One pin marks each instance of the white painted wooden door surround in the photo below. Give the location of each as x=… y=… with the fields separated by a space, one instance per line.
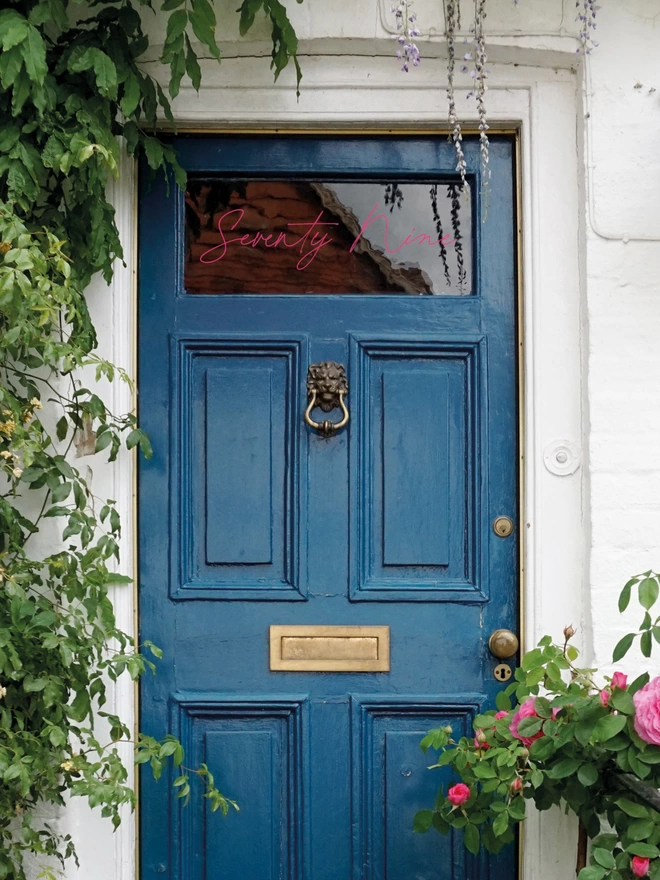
x=370 y=92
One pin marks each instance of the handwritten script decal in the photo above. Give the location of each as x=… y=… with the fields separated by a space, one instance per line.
x=314 y=235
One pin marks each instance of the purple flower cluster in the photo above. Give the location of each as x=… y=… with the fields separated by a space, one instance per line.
x=587 y=10
x=408 y=51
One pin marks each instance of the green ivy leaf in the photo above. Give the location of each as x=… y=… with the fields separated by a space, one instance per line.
x=34 y=55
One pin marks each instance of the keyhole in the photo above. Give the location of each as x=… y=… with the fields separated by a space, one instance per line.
x=502 y=672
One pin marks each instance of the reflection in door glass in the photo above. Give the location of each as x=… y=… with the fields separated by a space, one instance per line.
x=290 y=236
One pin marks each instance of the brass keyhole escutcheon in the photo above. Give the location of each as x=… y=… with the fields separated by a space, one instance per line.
x=502 y=672
x=503 y=526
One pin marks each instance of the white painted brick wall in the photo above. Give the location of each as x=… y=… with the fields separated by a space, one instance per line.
x=623 y=310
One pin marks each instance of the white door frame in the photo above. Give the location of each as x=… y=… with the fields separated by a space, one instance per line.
x=370 y=93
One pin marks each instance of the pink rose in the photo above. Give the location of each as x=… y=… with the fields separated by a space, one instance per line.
x=604 y=697
x=640 y=866
x=458 y=794
x=647 y=713
x=499 y=715
x=525 y=710
x=619 y=680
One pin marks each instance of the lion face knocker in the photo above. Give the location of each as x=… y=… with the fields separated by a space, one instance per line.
x=327 y=387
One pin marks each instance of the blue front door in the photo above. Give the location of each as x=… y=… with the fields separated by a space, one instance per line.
x=257 y=530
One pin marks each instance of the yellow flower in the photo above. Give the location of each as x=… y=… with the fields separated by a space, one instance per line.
x=8 y=427
x=67 y=765
x=36 y=403
x=17 y=472
x=5 y=453
x=3 y=692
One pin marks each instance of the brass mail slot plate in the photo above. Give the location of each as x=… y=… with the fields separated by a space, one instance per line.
x=330 y=648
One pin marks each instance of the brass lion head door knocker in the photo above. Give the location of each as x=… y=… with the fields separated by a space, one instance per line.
x=327 y=387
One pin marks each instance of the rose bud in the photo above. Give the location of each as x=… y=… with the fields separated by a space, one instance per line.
x=458 y=794
x=619 y=680
x=502 y=714
x=640 y=866
x=604 y=697
x=569 y=631
x=524 y=753
x=516 y=785
x=448 y=730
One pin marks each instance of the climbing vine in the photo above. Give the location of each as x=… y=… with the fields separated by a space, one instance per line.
x=72 y=95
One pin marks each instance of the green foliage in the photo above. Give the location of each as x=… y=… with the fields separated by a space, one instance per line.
x=72 y=94
x=574 y=743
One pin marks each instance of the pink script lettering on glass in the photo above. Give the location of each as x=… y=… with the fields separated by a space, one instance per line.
x=421 y=238
x=311 y=242
x=314 y=244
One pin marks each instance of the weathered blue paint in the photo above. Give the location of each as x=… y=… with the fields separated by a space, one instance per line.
x=247 y=519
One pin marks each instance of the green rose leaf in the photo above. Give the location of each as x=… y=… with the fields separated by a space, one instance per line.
x=604 y=857
x=542 y=749
x=588 y=775
x=563 y=768
x=646 y=850
x=471 y=839
x=641 y=829
x=648 y=592
x=622 y=702
x=530 y=726
x=622 y=647
x=422 y=822
x=608 y=727
x=631 y=808
x=592 y=872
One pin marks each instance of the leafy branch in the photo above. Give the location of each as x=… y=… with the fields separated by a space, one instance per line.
x=72 y=95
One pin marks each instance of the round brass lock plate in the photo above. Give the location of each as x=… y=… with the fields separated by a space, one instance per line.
x=503 y=526
x=502 y=672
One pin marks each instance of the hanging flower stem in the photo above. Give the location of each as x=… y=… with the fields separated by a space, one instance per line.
x=450 y=8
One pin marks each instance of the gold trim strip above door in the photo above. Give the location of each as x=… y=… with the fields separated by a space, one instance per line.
x=329 y=648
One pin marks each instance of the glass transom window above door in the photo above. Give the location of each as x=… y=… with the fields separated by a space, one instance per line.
x=318 y=557
x=293 y=236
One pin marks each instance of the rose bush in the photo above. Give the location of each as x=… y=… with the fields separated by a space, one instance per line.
x=560 y=737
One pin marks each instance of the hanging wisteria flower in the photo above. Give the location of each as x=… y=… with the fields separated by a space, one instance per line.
x=407 y=29
x=587 y=10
